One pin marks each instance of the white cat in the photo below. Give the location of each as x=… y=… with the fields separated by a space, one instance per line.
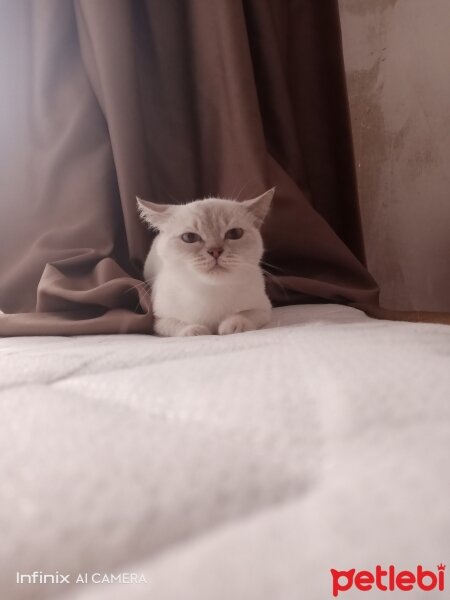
x=203 y=266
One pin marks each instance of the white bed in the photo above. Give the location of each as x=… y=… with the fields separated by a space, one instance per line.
x=225 y=468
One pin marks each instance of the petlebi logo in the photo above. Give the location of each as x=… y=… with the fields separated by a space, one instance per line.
x=388 y=580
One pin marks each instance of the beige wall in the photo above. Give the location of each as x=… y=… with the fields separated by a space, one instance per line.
x=397 y=55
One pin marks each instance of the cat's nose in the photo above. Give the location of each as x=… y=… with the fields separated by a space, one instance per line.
x=216 y=252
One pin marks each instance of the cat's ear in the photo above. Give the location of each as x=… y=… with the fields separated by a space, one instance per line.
x=260 y=206
x=154 y=214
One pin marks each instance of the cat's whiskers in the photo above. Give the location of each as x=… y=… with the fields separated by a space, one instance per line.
x=267 y=273
x=264 y=262
x=142 y=285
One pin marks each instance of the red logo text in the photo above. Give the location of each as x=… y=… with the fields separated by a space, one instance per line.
x=388 y=580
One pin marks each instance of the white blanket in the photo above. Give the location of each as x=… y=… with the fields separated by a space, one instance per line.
x=225 y=468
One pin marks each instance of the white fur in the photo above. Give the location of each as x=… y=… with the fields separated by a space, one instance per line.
x=194 y=293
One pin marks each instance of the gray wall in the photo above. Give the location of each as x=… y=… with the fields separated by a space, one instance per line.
x=397 y=55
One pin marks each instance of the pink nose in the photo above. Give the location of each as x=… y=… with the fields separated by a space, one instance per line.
x=216 y=252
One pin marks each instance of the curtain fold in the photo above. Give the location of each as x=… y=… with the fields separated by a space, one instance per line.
x=103 y=100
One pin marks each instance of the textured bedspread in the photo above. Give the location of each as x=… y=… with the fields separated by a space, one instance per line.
x=234 y=468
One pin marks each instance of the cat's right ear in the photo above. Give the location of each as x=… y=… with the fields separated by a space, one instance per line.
x=155 y=215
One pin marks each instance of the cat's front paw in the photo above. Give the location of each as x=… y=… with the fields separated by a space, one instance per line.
x=194 y=330
x=235 y=324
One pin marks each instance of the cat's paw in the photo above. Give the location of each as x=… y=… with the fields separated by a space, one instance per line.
x=235 y=324
x=190 y=330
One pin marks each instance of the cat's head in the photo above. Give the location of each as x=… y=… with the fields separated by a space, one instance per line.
x=212 y=238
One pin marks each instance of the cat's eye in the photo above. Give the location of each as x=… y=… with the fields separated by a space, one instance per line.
x=234 y=234
x=190 y=237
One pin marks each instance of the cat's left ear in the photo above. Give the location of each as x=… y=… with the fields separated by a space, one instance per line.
x=260 y=206
x=154 y=214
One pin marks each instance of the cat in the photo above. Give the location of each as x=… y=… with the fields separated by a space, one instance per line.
x=203 y=266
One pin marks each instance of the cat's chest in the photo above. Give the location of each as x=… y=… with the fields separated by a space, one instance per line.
x=207 y=305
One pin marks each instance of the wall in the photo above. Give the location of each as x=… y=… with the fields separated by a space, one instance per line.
x=397 y=55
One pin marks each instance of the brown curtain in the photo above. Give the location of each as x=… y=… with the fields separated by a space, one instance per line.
x=171 y=100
